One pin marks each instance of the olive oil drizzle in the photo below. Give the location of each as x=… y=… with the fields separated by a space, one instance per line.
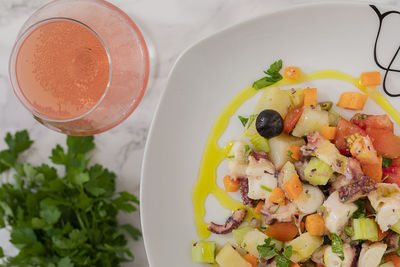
x=213 y=154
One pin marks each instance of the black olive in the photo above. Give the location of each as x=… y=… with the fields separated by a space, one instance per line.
x=269 y=123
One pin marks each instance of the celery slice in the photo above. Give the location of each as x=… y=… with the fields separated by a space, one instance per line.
x=365 y=229
x=260 y=143
x=318 y=172
x=203 y=251
x=239 y=233
x=396 y=227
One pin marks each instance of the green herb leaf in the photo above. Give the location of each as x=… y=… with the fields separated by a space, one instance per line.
x=361 y=211
x=265 y=188
x=1 y=252
x=386 y=162
x=51 y=214
x=273 y=76
x=337 y=245
x=65 y=262
x=23 y=236
x=269 y=249
x=276 y=210
x=252 y=118
x=348 y=231
x=243 y=120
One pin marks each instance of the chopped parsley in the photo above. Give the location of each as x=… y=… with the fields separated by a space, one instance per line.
x=361 y=211
x=243 y=120
x=362 y=116
x=252 y=118
x=277 y=208
x=231 y=157
x=269 y=249
x=386 y=162
x=289 y=153
x=266 y=188
x=273 y=76
x=398 y=248
x=246 y=149
x=348 y=231
x=337 y=245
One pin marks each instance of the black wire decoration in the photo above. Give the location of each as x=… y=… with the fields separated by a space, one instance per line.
x=387 y=69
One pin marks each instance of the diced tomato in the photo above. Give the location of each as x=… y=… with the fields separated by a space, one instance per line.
x=345 y=129
x=386 y=143
x=291 y=119
x=396 y=162
x=391 y=175
x=364 y=121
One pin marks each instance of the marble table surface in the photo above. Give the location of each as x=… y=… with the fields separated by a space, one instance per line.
x=171 y=26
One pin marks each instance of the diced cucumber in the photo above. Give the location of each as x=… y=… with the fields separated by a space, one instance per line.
x=296 y=96
x=311 y=120
x=239 y=233
x=260 y=143
x=318 y=172
x=203 y=251
x=365 y=229
x=288 y=171
x=387 y=264
x=396 y=227
x=304 y=246
x=229 y=257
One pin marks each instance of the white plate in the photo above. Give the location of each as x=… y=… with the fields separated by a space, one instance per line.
x=209 y=74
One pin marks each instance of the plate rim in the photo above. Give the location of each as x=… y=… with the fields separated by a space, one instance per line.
x=192 y=46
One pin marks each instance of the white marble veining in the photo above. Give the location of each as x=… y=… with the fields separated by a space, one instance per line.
x=171 y=25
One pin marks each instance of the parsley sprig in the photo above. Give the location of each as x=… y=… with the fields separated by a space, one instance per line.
x=268 y=249
x=63 y=221
x=337 y=245
x=273 y=76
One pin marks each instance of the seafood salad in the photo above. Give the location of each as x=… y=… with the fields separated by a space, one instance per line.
x=317 y=189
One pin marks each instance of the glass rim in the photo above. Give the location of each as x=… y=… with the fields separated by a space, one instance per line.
x=13 y=74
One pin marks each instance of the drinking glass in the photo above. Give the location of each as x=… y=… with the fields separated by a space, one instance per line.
x=80 y=67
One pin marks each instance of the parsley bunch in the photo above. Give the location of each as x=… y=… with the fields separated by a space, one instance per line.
x=63 y=221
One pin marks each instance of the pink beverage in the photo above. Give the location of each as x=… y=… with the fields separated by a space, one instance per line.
x=80 y=66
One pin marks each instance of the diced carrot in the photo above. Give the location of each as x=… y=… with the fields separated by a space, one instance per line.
x=293 y=187
x=328 y=132
x=374 y=171
x=291 y=72
x=393 y=258
x=282 y=231
x=371 y=78
x=259 y=207
x=294 y=152
x=315 y=225
x=319 y=265
x=352 y=100
x=277 y=196
x=310 y=97
x=381 y=235
x=251 y=259
x=295 y=264
x=230 y=185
